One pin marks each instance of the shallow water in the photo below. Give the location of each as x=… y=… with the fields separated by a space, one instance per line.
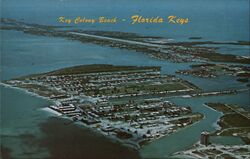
x=20 y=118
x=30 y=132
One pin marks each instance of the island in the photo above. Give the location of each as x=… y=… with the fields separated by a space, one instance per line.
x=155 y=47
x=125 y=103
x=212 y=70
x=234 y=122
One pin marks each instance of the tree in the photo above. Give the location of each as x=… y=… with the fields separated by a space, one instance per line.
x=127 y=117
x=148 y=132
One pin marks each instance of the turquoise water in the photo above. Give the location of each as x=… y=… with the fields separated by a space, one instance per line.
x=226 y=140
x=45 y=54
x=186 y=137
x=20 y=117
x=28 y=131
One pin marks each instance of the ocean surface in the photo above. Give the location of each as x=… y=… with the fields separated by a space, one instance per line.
x=28 y=131
x=223 y=20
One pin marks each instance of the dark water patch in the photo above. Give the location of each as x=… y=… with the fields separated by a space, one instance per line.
x=74 y=142
x=5 y=152
x=26 y=146
x=28 y=139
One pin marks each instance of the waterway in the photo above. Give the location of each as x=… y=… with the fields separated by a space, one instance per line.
x=186 y=137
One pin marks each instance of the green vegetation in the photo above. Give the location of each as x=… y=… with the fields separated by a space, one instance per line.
x=156 y=87
x=136 y=88
x=231 y=131
x=118 y=34
x=195 y=38
x=97 y=69
x=220 y=107
x=184 y=51
x=216 y=57
x=244 y=80
x=209 y=70
x=213 y=43
x=123 y=135
x=94 y=68
x=234 y=120
x=244 y=75
x=244 y=42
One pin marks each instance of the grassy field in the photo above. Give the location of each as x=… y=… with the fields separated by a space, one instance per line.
x=220 y=107
x=94 y=68
x=97 y=69
x=136 y=88
x=233 y=122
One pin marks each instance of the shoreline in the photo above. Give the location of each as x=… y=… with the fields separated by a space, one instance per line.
x=136 y=144
x=57 y=114
x=215 y=124
x=26 y=91
x=219 y=132
x=184 y=52
x=51 y=111
x=188 y=126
